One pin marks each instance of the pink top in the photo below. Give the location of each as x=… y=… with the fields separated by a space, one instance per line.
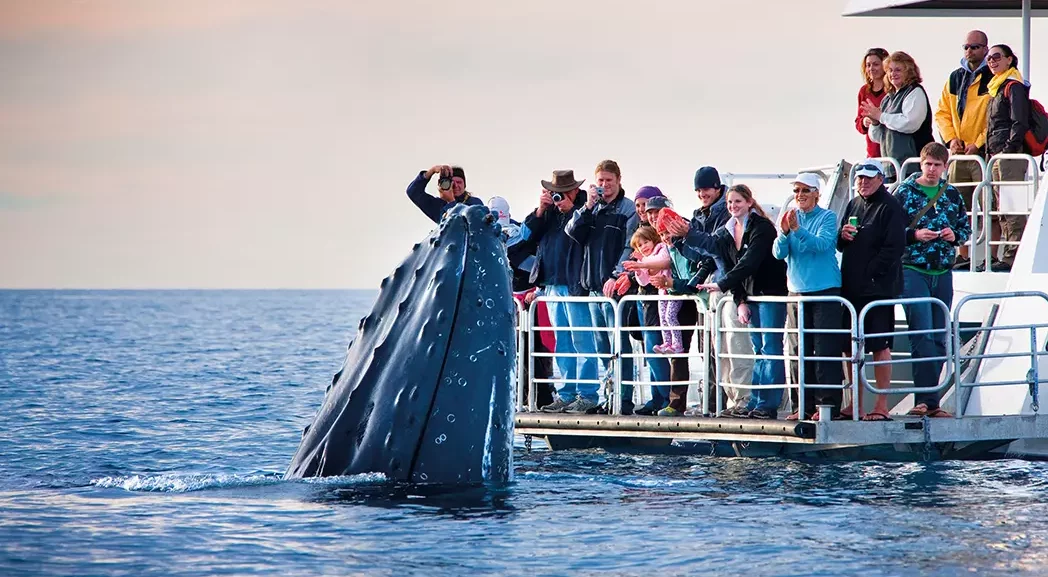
x=659 y=256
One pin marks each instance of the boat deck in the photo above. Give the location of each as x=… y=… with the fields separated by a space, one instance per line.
x=905 y=438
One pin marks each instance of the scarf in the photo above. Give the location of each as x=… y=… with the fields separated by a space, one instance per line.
x=998 y=80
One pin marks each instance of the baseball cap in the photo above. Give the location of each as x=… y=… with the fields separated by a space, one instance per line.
x=809 y=179
x=500 y=208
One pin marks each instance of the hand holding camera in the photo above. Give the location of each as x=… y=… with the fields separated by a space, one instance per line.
x=593 y=195
x=545 y=201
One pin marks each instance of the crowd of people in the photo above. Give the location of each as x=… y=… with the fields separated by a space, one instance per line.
x=594 y=241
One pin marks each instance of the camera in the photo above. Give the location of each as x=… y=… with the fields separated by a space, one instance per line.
x=444 y=183
x=556 y=196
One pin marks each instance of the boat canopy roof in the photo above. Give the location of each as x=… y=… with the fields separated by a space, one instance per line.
x=943 y=8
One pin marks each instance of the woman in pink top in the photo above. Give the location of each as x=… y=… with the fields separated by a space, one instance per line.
x=872 y=91
x=653 y=259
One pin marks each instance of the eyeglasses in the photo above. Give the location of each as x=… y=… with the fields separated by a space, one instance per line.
x=995 y=57
x=973 y=46
x=801 y=191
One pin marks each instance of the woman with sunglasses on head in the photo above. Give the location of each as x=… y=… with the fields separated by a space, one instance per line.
x=1007 y=120
x=902 y=124
x=871 y=91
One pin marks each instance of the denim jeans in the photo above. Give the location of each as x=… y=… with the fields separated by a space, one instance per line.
x=767 y=371
x=925 y=316
x=658 y=367
x=603 y=315
x=573 y=315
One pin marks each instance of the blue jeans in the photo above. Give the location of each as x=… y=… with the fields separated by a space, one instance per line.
x=658 y=367
x=603 y=315
x=573 y=315
x=767 y=371
x=925 y=316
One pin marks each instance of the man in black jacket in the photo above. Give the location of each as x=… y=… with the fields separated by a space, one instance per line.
x=452 y=187
x=558 y=262
x=871 y=242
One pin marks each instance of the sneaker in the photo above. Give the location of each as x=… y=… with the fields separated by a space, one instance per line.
x=669 y=412
x=763 y=414
x=627 y=408
x=558 y=405
x=695 y=412
x=581 y=405
x=962 y=264
x=736 y=413
x=647 y=410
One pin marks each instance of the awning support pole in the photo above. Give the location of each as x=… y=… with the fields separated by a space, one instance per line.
x=1026 y=40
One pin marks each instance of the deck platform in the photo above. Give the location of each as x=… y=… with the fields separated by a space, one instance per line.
x=903 y=439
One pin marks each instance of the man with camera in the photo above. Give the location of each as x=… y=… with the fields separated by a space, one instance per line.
x=604 y=227
x=452 y=185
x=558 y=262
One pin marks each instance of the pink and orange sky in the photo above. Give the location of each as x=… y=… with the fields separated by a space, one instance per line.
x=146 y=143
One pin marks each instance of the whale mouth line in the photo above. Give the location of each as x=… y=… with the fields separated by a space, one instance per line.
x=447 y=349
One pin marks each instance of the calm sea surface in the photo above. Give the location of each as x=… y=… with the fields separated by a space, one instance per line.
x=145 y=433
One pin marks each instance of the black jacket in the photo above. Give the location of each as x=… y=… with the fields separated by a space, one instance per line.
x=1008 y=119
x=871 y=264
x=750 y=270
x=604 y=233
x=558 y=258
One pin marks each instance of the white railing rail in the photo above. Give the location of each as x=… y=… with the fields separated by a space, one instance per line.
x=1034 y=352
x=946 y=331
x=700 y=325
x=801 y=358
x=533 y=329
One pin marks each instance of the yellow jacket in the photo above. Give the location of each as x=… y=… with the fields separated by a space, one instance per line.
x=971 y=128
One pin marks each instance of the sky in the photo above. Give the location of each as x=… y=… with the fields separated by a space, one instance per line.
x=268 y=143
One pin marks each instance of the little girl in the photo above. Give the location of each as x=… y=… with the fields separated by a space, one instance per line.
x=652 y=259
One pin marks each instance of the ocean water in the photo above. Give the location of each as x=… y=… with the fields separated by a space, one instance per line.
x=145 y=433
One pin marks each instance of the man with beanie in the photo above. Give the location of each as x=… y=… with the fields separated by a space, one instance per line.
x=452 y=187
x=711 y=215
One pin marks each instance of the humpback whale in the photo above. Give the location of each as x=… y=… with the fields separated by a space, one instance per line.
x=425 y=394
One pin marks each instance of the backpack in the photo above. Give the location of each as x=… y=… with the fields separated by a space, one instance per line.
x=1036 y=141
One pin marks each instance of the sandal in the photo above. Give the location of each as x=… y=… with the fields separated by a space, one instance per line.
x=938 y=414
x=876 y=416
x=919 y=410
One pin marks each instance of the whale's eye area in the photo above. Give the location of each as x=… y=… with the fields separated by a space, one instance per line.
x=489 y=218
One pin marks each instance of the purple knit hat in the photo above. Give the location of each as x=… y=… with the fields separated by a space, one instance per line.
x=646 y=192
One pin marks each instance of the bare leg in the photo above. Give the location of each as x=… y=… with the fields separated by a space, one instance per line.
x=883 y=377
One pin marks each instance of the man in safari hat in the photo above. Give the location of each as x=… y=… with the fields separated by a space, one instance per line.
x=558 y=271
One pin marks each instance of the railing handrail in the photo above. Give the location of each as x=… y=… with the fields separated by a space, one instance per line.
x=800 y=331
x=945 y=330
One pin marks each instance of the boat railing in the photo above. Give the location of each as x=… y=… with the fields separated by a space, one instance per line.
x=701 y=326
x=1015 y=350
x=980 y=198
x=946 y=331
x=532 y=329
x=723 y=332
x=1027 y=186
x=710 y=328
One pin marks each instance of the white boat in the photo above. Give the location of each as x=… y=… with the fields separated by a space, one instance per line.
x=996 y=364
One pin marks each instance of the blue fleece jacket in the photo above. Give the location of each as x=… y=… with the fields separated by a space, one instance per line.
x=810 y=252
x=432 y=206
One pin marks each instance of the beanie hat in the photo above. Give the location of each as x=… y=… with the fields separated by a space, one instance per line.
x=648 y=192
x=707 y=177
x=457 y=171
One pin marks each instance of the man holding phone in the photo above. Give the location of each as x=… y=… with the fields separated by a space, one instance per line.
x=938 y=224
x=871 y=241
x=452 y=186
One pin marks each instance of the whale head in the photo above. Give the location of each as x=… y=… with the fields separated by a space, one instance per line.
x=426 y=391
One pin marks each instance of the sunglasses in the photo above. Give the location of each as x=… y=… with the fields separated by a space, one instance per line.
x=973 y=46
x=868 y=167
x=995 y=57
